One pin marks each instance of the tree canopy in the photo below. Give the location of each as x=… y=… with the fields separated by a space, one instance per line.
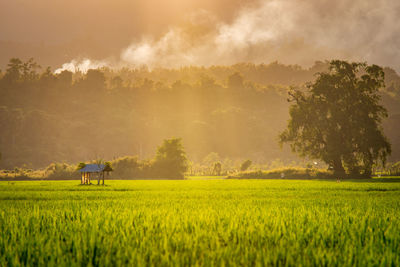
x=338 y=118
x=170 y=160
x=245 y=165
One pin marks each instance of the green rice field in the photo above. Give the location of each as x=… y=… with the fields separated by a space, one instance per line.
x=200 y=222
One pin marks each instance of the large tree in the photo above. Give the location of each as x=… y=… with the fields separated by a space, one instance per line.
x=337 y=118
x=170 y=160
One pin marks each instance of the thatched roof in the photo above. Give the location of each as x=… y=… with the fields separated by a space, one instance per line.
x=93 y=168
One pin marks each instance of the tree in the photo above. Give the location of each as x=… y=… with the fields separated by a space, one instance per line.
x=170 y=160
x=65 y=78
x=236 y=80
x=337 y=119
x=17 y=70
x=245 y=165
x=14 y=70
x=80 y=166
x=217 y=168
x=108 y=167
x=210 y=161
x=100 y=175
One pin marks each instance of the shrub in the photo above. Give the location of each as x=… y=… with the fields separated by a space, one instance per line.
x=61 y=171
x=286 y=173
x=127 y=167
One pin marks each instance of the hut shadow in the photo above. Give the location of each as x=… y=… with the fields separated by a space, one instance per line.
x=94 y=184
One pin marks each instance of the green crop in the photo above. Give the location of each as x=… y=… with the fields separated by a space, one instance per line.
x=211 y=223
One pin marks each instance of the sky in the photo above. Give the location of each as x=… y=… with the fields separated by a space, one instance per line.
x=82 y=34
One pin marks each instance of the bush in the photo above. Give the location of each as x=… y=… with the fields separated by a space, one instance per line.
x=286 y=173
x=127 y=167
x=61 y=171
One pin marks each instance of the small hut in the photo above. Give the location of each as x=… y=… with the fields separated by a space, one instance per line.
x=91 y=170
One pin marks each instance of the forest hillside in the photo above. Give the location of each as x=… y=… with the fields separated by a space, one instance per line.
x=235 y=111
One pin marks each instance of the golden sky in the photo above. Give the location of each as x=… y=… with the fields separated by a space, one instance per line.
x=62 y=20
x=173 y=33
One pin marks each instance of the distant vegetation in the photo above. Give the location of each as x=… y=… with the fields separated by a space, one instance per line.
x=286 y=173
x=234 y=111
x=170 y=163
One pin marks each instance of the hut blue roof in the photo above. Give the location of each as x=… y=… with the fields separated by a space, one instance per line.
x=93 y=168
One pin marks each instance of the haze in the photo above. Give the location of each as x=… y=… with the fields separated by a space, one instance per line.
x=178 y=33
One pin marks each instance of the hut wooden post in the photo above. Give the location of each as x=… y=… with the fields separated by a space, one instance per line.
x=90 y=171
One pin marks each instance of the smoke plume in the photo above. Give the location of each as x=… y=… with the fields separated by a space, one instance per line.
x=288 y=31
x=82 y=65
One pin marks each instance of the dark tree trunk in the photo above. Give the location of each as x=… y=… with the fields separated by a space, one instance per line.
x=338 y=169
x=367 y=171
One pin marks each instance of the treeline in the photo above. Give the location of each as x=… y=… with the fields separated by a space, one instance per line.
x=236 y=111
x=131 y=167
x=170 y=162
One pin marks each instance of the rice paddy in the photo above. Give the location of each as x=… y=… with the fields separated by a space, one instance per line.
x=200 y=222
